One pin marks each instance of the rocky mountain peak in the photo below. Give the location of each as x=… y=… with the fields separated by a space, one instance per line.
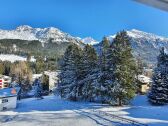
x=24 y=28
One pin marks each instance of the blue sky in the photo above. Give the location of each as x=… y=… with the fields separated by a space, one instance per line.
x=95 y=18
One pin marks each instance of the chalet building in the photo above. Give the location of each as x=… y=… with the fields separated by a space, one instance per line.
x=36 y=76
x=8 y=98
x=144 y=83
x=4 y=81
x=53 y=78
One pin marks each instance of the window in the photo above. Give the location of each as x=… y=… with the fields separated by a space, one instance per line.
x=4 y=108
x=4 y=100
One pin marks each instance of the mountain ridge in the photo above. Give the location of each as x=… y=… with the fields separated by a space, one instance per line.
x=26 y=32
x=143 y=43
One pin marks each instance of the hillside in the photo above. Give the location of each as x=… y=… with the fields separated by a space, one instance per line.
x=145 y=45
x=34 y=47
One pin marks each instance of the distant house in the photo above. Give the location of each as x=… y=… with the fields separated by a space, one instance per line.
x=4 y=81
x=53 y=78
x=36 y=76
x=144 y=83
x=8 y=98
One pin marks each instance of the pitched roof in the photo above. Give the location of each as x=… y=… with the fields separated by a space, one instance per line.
x=144 y=79
x=9 y=92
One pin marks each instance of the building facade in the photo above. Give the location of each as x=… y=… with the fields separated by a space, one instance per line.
x=4 y=81
x=53 y=78
x=8 y=98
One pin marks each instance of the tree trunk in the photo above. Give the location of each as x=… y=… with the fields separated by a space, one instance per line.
x=120 y=102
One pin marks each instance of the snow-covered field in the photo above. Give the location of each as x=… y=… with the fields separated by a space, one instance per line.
x=12 y=58
x=52 y=111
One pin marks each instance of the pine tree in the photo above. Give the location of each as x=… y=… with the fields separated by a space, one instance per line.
x=109 y=80
x=2 y=69
x=45 y=82
x=38 y=93
x=105 y=79
x=139 y=65
x=89 y=60
x=76 y=89
x=71 y=73
x=124 y=69
x=40 y=65
x=159 y=91
x=139 y=71
x=105 y=53
x=67 y=74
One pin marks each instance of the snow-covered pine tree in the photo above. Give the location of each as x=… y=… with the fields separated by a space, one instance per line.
x=139 y=65
x=159 y=91
x=38 y=89
x=89 y=70
x=67 y=75
x=124 y=69
x=70 y=73
x=139 y=71
x=76 y=89
x=105 y=79
x=105 y=54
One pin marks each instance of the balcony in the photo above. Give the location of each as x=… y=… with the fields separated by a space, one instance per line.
x=161 y=4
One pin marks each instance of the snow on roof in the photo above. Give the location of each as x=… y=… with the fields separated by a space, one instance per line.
x=52 y=73
x=4 y=76
x=7 y=92
x=35 y=76
x=144 y=79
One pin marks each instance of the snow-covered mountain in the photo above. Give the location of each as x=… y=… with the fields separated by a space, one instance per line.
x=145 y=38
x=26 y=32
x=88 y=40
x=149 y=37
x=146 y=45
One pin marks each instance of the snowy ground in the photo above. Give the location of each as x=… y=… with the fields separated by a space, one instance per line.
x=52 y=111
x=12 y=58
